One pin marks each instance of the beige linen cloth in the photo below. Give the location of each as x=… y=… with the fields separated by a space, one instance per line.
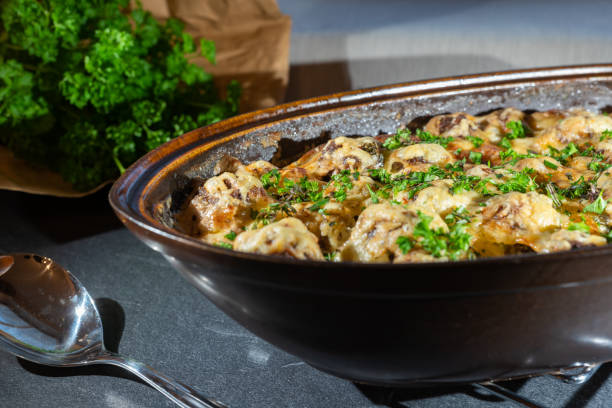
x=252 y=39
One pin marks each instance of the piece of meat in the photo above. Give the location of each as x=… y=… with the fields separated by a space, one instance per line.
x=494 y=124
x=453 y=125
x=417 y=157
x=287 y=237
x=438 y=198
x=373 y=239
x=332 y=225
x=518 y=218
x=341 y=153
x=223 y=203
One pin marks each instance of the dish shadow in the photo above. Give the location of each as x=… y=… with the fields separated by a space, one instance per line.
x=393 y=397
x=61 y=219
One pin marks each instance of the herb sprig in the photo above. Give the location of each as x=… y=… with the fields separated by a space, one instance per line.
x=88 y=87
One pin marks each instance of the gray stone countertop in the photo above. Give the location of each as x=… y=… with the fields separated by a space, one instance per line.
x=153 y=315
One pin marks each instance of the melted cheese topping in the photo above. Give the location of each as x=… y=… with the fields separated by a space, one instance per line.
x=465 y=186
x=287 y=237
x=417 y=157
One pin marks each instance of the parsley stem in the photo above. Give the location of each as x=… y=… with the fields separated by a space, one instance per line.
x=118 y=163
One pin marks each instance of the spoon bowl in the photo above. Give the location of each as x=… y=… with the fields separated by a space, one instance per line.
x=48 y=317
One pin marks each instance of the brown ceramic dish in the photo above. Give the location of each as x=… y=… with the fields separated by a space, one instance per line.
x=388 y=324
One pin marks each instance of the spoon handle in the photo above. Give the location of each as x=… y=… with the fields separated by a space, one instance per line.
x=181 y=394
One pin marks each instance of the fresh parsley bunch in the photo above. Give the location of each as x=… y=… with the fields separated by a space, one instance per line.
x=87 y=87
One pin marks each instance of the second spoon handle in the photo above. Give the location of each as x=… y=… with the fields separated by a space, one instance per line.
x=182 y=395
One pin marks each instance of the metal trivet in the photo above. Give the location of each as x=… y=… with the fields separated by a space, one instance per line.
x=494 y=391
x=576 y=374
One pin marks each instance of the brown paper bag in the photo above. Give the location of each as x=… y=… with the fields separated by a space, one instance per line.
x=252 y=40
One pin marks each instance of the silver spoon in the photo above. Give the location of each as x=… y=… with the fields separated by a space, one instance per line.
x=47 y=317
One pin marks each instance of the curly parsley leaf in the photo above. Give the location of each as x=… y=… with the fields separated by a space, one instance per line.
x=208 y=50
x=116 y=74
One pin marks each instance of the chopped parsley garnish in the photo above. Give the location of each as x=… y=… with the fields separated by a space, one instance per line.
x=520 y=181
x=311 y=188
x=464 y=183
x=224 y=245
x=475 y=157
x=412 y=192
x=579 y=226
x=231 y=235
x=429 y=138
x=598 y=206
x=550 y=165
x=432 y=241
x=271 y=179
x=380 y=175
x=562 y=155
x=516 y=131
x=404 y=243
x=330 y=256
x=401 y=138
x=318 y=205
x=456 y=167
x=476 y=141
x=373 y=195
x=291 y=192
x=438 y=243
x=459 y=213
x=578 y=189
x=343 y=183
x=597 y=166
x=269 y=213
x=505 y=143
x=606 y=134
x=514 y=156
